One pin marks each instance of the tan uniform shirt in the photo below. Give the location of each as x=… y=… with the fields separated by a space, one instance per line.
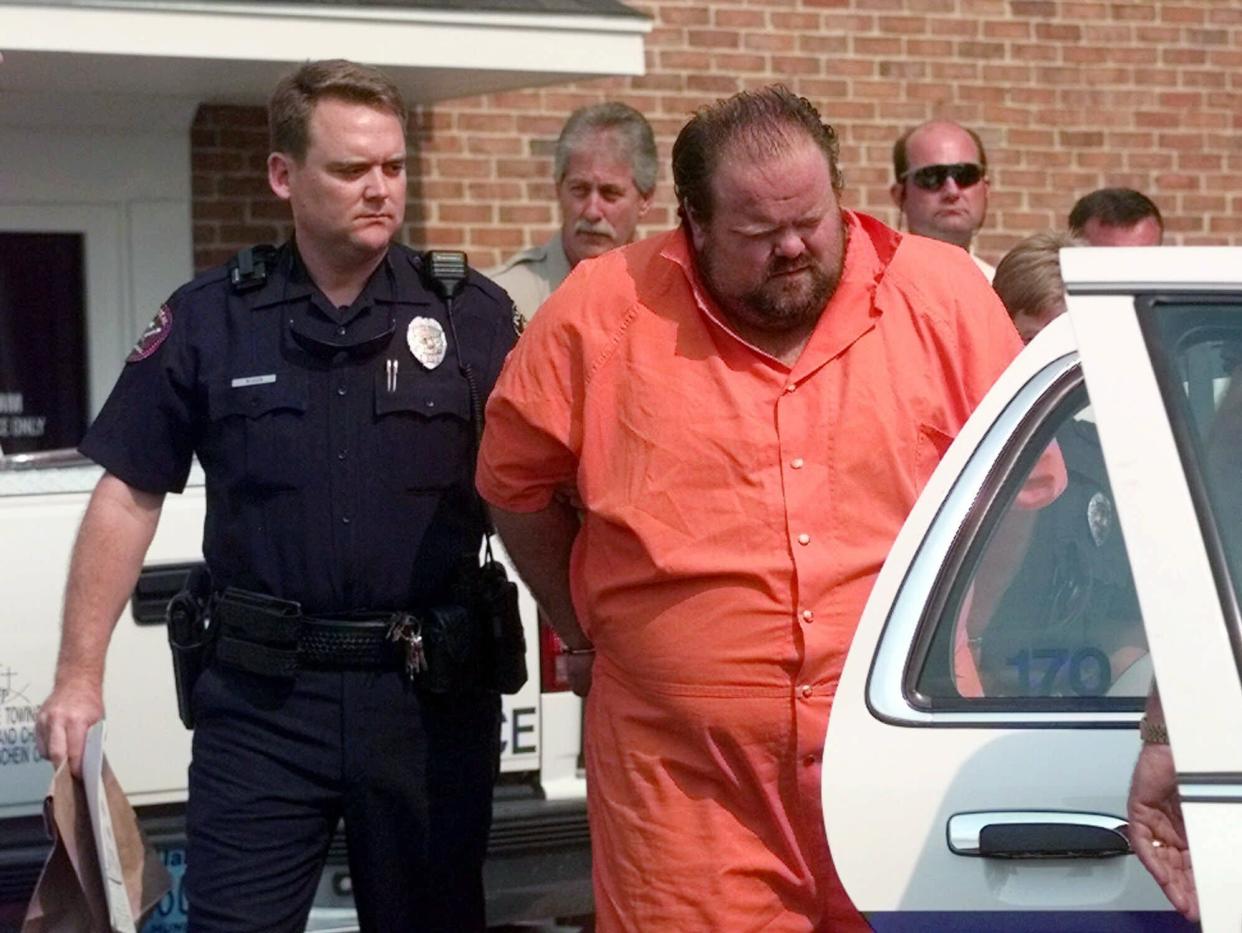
x=532 y=275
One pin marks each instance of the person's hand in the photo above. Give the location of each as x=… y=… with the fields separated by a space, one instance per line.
x=578 y=671
x=64 y=718
x=1157 y=831
x=569 y=496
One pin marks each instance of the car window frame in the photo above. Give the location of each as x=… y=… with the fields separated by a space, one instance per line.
x=951 y=541
x=1154 y=327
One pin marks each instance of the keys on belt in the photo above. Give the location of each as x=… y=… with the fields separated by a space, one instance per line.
x=407 y=630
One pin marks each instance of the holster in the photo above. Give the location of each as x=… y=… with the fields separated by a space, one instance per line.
x=492 y=599
x=188 y=639
x=504 y=640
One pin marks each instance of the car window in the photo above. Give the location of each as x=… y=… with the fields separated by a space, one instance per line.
x=1197 y=354
x=1042 y=613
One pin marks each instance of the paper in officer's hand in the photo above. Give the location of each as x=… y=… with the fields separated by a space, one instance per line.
x=73 y=891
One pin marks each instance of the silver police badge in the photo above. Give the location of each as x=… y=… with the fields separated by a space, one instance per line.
x=1100 y=518
x=426 y=340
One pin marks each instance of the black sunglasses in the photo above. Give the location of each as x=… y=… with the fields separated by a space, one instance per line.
x=932 y=177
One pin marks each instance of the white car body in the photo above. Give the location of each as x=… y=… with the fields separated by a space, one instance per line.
x=913 y=784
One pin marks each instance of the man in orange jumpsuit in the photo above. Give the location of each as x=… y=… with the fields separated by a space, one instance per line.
x=746 y=408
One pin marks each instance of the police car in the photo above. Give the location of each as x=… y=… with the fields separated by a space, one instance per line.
x=981 y=743
x=538 y=864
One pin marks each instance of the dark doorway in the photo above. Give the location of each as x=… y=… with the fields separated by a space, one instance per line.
x=43 y=392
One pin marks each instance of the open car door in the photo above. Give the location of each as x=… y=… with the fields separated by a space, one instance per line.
x=981 y=742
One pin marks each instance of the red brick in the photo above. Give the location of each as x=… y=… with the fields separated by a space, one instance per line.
x=737 y=64
x=1132 y=11
x=903 y=69
x=1034 y=52
x=526 y=214
x=786 y=66
x=956 y=26
x=1003 y=29
x=823 y=44
x=1182 y=14
x=731 y=18
x=501 y=237
x=717 y=38
x=876 y=46
x=929 y=48
x=1178 y=182
x=1057 y=32
x=720 y=84
x=955 y=71
x=902 y=25
x=769 y=42
x=685 y=15
x=494 y=145
x=795 y=22
x=1045 y=9
x=473 y=213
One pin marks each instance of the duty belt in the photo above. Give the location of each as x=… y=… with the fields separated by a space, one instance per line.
x=273 y=637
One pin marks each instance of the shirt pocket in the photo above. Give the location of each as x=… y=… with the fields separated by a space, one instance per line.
x=930 y=448
x=425 y=435
x=260 y=428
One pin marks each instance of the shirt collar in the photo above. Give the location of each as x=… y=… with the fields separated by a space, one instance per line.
x=849 y=313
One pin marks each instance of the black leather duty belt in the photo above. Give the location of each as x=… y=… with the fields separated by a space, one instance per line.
x=272 y=637
x=349 y=644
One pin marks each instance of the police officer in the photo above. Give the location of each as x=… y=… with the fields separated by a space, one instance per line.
x=605 y=169
x=324 y=389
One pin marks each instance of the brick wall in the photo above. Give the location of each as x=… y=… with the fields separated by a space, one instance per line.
x=1068 y=95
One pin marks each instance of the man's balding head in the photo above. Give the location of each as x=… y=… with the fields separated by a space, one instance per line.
x=941 y=181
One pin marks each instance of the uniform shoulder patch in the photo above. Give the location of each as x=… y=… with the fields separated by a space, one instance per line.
x=519 y=322
x=155 y=334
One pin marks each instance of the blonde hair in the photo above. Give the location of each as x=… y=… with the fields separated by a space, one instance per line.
x=1029 y=277
x=289 y=108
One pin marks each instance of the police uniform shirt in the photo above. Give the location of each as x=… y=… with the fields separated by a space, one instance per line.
x=339 y=461
x=1074 y=590
x=534 y=274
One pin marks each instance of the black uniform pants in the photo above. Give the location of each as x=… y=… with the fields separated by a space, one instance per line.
x=275 y=767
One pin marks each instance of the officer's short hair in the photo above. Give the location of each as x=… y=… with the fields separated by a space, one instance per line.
x=1029 y=277
x=289 y=108
x=1113 y=207
x=901 y=158
x=632 y=129
x=764 y=122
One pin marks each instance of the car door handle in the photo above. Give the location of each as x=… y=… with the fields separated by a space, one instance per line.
x=1037 y=834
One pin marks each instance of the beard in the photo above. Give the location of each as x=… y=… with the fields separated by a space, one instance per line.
x=788 y=296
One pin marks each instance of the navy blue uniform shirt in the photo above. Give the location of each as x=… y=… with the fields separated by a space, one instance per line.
x=340 y=468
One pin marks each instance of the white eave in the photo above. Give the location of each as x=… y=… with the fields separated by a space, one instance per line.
x=182 y=53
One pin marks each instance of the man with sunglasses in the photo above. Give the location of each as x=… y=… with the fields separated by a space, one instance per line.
x=942 y=184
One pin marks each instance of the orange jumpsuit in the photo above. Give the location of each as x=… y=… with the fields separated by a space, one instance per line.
x=737 y=512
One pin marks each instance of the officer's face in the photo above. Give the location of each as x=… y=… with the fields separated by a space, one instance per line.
x=950 y=212
x=348 y=193
x=600 y=204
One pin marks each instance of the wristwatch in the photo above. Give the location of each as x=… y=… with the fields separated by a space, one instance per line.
x=1153 y=733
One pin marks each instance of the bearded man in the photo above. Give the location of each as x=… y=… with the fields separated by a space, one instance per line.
x=746 y=408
